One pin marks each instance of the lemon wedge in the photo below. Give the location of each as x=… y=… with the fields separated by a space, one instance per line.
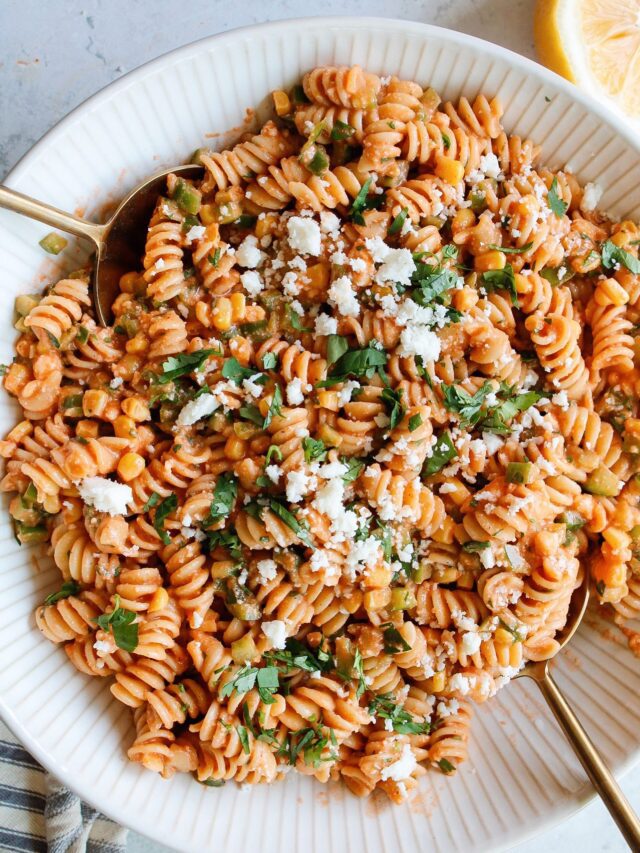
x=595 y=44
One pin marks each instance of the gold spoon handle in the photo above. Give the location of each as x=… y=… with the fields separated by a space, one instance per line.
x=600 y=775
x=23 y=204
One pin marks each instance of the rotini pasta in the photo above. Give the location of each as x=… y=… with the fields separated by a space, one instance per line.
x=366 y=415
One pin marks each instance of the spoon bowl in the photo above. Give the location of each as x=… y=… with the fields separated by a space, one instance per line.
x=577 y=608
x=119 y=242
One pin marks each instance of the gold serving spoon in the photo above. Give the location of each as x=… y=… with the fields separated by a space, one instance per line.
x=119 y=243
x=601 y=777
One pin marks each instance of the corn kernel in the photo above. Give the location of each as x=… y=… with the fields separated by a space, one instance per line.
x=281 y=103
x=221 y=314
x=437 y=682
x=378 y=577
x=329 y=435
x=127 y=366
x=445 y=533
x=610 y=292
x=129 y=282
x=208 y=213
x=94 y=402
x=51 y=503
x=620 y=238
x=449 y=170
x=159 y=600
x=137 y=344
x=318 y=275
x=492 y=260
x=464 y=299
x=445 y=575
x=265 y=225
x=124 y=427
x=136 y=408
x=376 y=599
x=87 y=429
x=16 y=378
x=503 y=637
x=461 y=493
x=24 y=304
x=264 y=405
x=329 y=400
x=464 y=218
x=238 y=306
x=617 y=538
x=130 y=466
x=235 y=448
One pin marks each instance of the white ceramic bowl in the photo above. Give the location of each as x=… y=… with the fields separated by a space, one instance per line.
x=521 y=776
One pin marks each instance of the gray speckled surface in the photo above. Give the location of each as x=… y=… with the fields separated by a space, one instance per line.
x=56 y=53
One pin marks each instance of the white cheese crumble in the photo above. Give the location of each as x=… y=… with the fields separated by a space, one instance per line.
x=252 y=387
x=304 y=235
x=326 y=325
x=377 y=248
x=273 y=472
x=252 y=282
x=196 y=409
x=276 y=633
x=248 y=254
x=490 y=165
x=294 y=392
x=341 y=295
x=116 y=382
x=561 y=400
x=590 y=198
x=471 y=643
x=105 y=495
x=329 y=222
x=402 y=768
x=196 y=232
x=398 y=266
x=298 y=484
x=290 y=284
x=329 y=498
x=267 y=569
x=416 y=340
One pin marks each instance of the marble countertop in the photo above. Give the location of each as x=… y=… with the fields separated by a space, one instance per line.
x=55 y=54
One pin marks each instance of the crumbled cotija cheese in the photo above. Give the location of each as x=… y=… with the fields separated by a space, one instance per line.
x=276 y=633
x=304 y=235
x=105 y=495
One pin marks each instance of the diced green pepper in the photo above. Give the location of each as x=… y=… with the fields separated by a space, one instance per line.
x=518 y=472
x=30 y=535
x=53 y=243
x=244 y=649
x=24 y=304
x=602 y=482
x=402 y=599
x=186 y=196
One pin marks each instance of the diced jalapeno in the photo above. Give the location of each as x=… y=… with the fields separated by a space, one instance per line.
x=402 y=599
x=518 y=472
x=602 y=482
x=30 y=535
x=187 y=197
x=53 y=243
x=244 y=649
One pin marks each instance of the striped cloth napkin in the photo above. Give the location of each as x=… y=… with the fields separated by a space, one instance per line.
x=39 y=815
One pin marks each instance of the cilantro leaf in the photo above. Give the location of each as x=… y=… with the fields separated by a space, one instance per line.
x=168 y=505
x=253 y=414
x=394 y=642
x=556 y=204
x=474 y=547
x=273 y=452
x=466 y=405
x=233 y=370
x=399 y=221
x=244 y=738
x=512 y=251
x=443 y=764
x=443 y=451
x=498 y=419
x=269 y=361
x=297 y=655
x=392 y=401
x=359 y=362
x=226 y=539
x=337 y=345
x=612 y=255
x=314 y=449
x=354 y=468
x=502 y=280
x=291 y=521
x=415 y=421
x=360 y=203
x=179 y=365
x=154 y=497
x=275 y=407
x=122 y=624
x=224 y=496
x=341 y=131
x=68 y=588
x=384 y=707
